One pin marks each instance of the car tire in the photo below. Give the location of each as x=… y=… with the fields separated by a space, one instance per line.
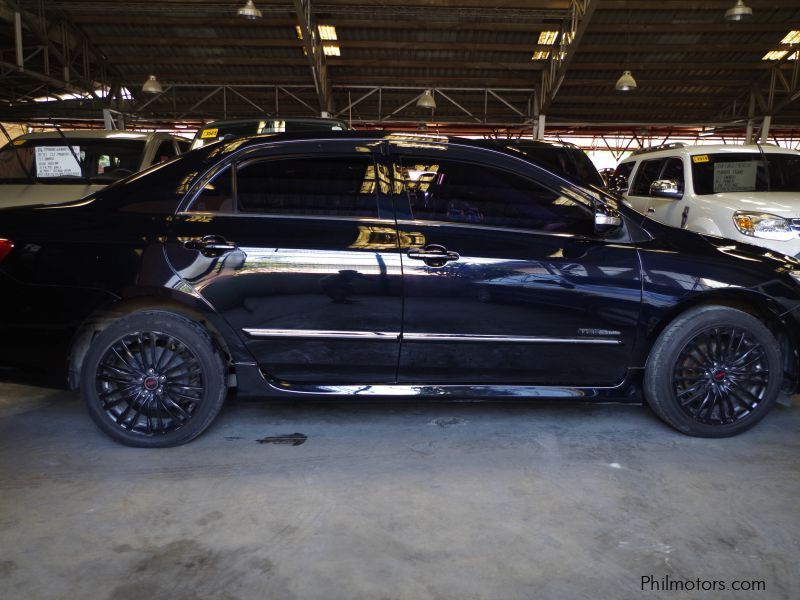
x=713 y=372
x=153 y=379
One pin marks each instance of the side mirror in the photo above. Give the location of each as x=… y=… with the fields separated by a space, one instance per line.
x=667 y=188
x=605 y=223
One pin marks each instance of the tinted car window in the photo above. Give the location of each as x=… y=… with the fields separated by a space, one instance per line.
x=326 y=186
x=166 y=150
x=673 y=170
x=624 y=169
x=445 y=190
x=646 y=174
x=572 y=162
x=217 y=194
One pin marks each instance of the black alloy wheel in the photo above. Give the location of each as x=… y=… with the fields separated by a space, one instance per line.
x=714 y=371
x=721 y=376
x=153 y=379
x=149 y=383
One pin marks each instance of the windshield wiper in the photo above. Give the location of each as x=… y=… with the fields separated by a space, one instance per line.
x=16 y=155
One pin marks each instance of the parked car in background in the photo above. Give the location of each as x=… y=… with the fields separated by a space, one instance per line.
x=562 y=157
x=745 y=193
x=46 y=168
x=225 y=130
x=376 y=264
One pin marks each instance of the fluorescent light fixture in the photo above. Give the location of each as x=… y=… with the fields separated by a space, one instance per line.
x=327 y=32
x=546 y=38
x=331 y=50
x=791 y=38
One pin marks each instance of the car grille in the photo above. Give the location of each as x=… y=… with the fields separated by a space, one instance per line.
x=795 y=224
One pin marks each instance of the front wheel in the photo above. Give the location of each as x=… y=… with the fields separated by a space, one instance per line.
x=713 y=372
x=153 y=379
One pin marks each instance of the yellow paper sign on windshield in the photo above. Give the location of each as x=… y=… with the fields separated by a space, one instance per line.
x=209 y=133
x=700 y=158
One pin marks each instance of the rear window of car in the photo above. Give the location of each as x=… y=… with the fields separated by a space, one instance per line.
x=79 y=161
x=745 y=172
x=572 y=162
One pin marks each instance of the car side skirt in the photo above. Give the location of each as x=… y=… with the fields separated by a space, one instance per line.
x=253 y=382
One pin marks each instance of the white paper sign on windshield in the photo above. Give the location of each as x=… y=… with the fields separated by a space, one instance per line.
x=735 y=176
x=57 y=161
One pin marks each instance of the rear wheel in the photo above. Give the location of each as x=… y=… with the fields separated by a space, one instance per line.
x=153 y=379
x=713 y=372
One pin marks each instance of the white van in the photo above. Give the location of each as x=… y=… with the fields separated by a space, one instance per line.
x=746 y=193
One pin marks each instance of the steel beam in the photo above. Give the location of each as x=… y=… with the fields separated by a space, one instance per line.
x=315 y=54
x=564 y=51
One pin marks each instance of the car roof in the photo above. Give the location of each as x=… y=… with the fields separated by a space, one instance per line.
x=709 y=149
x=90 y=134
x=414 y=140
x=286 y=119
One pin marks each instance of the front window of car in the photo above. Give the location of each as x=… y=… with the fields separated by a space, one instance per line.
x=647 y=173
x=717 y=173
x=100 y=161
x=462 y=192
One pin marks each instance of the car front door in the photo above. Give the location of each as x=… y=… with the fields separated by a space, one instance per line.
x=504 y=278
x=294 y=252
x=663 y=210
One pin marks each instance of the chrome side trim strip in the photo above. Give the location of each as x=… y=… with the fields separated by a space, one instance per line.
x=419 y=337
x=323 y=334
x=513 y=339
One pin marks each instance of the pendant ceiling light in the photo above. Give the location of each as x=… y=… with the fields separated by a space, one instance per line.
x=249 y=11
x=426 y=100
x=152 y=85
x=738 y=12
x=626 y=82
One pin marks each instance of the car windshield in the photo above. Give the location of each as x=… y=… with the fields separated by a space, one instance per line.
x=101 y=161
x=223 y=131
x=745 y=172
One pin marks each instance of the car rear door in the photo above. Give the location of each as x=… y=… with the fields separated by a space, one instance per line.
x=295 y=249
x=504 y=279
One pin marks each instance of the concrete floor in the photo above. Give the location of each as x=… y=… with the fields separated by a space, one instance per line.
x=393 y=501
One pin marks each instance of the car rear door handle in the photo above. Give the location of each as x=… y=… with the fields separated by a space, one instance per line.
x=212 y=245
x=433 y=255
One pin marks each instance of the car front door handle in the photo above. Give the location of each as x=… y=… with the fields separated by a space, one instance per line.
x=212 y=245
x=433 y=255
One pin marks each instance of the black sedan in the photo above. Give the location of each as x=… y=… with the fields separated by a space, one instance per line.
x=385 y=264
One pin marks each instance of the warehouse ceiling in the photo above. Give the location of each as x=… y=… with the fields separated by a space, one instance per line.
x=492 y=66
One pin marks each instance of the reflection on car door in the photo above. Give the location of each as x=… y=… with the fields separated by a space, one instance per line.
x=504 y=281
x=300 y=262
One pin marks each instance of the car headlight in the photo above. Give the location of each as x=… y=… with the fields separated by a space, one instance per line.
x=763 y=225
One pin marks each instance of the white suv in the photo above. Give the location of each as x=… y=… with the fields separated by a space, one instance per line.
x=745 y=193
